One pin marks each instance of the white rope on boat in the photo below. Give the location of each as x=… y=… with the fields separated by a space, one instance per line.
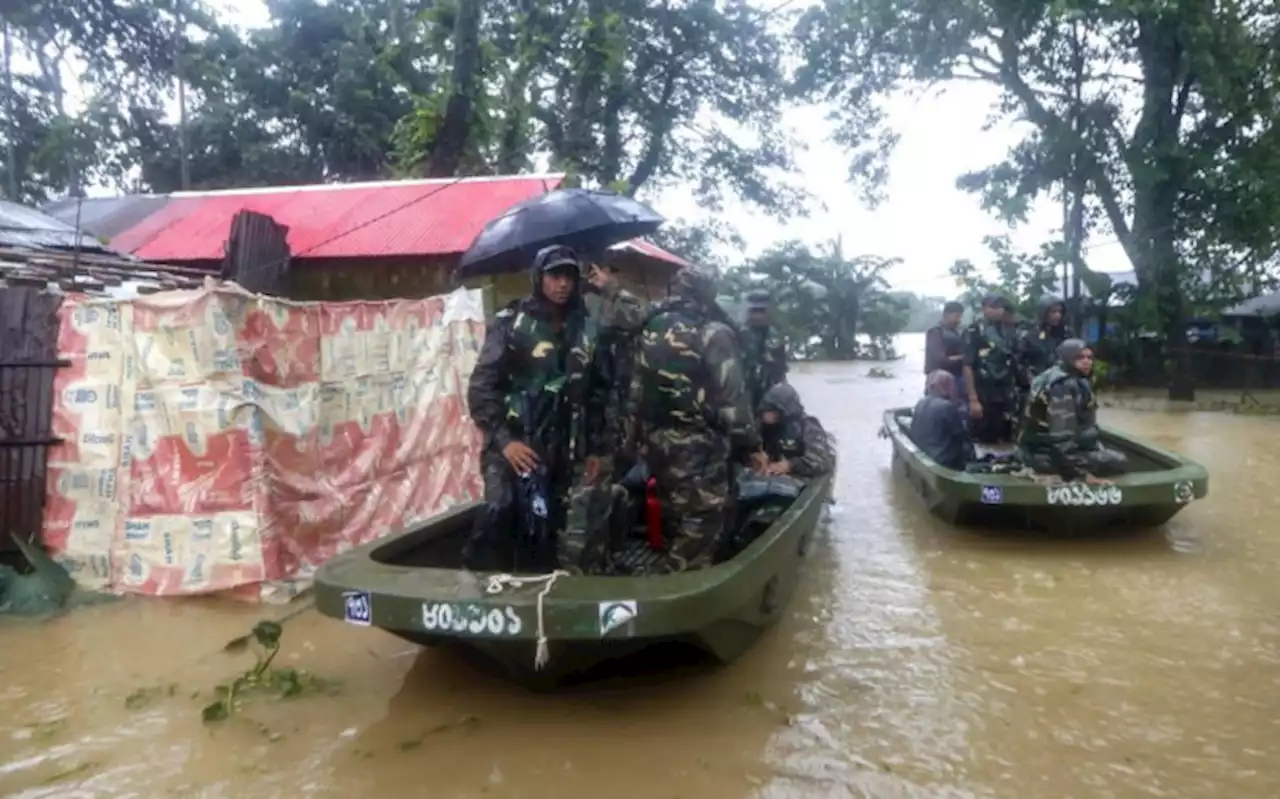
x=497 y=582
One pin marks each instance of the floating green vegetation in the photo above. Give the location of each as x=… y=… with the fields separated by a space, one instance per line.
x=880 y=372
x=262 y=679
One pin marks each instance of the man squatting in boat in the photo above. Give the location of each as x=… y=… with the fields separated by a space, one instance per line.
x=1059 y=433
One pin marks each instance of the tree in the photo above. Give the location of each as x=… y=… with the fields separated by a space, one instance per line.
x=1173 y=125
x=823 y=300
x=1022 y=278
x=126 y=53
x=923 y=311
x=698 y=243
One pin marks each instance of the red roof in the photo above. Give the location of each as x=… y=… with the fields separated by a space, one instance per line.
x=345 y=220
x=653 y=251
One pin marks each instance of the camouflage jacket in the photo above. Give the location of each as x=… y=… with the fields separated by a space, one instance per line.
x=991 y=351
x=1038 y=349
x=764 y=358
x=1061 y=416
x=527 y=364
x=621 y=317
x=800 y=438
x=688 y=375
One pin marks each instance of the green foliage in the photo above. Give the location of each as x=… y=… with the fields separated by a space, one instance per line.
x=262 y=679
x=632 y=94
x=1162 y=114
x=1023 y=278
x=824 y=299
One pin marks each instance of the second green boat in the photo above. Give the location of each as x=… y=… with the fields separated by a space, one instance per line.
x=1158 y=486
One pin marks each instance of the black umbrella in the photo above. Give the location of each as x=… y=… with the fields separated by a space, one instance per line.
x=588 y=221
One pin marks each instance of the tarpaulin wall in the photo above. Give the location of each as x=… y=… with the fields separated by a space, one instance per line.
x=221 y=441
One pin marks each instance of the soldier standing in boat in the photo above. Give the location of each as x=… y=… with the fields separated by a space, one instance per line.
x=944 y=349
x=1040 y=343
x=764 y=353
x=990 y=372
x=692 y=414
x=541 y=410
x=620 y=318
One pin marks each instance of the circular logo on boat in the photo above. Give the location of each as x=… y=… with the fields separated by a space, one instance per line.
x=1183 y=492
x=992 y=495
x=617 y=613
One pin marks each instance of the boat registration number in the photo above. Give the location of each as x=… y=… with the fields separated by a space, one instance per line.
x=471 y=618
x=1083 y=495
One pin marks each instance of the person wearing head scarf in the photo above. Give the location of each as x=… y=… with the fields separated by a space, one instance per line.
x=690 y=414
x=1059 y=433
x=532 y=396
x=937 y=426
x=764 y=352
x=796 y=443
x=990 y=372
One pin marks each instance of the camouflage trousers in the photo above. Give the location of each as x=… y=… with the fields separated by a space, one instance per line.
x=1100 y=462
x=691 y=469
x=583 y=542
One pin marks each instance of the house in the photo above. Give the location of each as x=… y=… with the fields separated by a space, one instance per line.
x=348 y=241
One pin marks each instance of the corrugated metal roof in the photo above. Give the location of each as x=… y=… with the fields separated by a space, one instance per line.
x=106 y=217
x=21 y=226
x=653 y=251
x=391 y=218
x=1266 y=305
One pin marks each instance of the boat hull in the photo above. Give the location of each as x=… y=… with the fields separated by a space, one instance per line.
x=1148 y=497
x=588 y=620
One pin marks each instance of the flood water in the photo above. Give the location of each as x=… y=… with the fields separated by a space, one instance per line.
x=916 y=661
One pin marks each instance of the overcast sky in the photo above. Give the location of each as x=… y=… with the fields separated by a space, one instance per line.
x=925 y=220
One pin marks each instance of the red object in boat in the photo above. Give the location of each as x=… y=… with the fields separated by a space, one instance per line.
x=653 y=514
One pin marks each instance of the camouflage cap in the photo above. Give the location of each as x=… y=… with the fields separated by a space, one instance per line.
x=694 y=283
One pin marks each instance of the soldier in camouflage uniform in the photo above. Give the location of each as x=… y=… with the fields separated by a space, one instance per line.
x=1038 y=345
x=620 y=319
x=990 y=372
x=691 y=414
x=764 y=354
x=1059 y=434
x=535 y=398
x=795 y=442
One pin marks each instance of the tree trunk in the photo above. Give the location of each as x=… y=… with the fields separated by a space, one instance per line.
x=454 y=133
x=1156 y=167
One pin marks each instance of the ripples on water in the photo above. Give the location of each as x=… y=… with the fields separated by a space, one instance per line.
x=918 y=661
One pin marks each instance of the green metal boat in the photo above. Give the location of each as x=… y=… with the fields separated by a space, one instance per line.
x=413 y=585
x=1158 y=485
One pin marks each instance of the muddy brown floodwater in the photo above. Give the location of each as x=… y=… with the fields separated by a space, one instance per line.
x=916 y=661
